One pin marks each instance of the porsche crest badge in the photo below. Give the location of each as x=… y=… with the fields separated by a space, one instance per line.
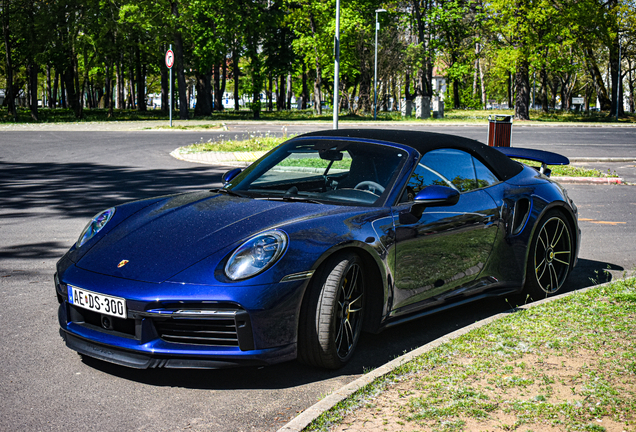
x=122 y=263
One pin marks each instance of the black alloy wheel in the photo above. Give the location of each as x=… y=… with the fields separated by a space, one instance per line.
x=551 y=256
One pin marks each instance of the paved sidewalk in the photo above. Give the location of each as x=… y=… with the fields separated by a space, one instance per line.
x=164 y=125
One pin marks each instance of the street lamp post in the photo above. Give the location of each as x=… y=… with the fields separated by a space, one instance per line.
x=375 y=72
x=336 y=69
x=618 y=91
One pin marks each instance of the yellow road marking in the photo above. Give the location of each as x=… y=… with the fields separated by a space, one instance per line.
x=601 y=222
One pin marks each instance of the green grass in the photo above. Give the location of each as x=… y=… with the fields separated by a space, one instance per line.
x=571 y=170
x=60 y=115
x=577 y=171
x=189 y=127
x=253 y=143
x=569 y=365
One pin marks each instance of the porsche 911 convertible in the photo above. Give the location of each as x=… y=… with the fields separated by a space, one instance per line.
x=328 y=235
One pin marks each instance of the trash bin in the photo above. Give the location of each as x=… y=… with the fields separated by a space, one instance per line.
x=499 y=130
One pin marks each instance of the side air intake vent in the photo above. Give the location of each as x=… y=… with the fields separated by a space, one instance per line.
x=520 y=215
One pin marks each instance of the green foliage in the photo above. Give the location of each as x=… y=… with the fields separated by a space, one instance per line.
x=567 y=45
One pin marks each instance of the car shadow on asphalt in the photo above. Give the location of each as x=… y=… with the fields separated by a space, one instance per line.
x=374 y=350
x=83 y=189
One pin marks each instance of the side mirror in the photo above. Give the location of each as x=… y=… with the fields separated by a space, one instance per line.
x=228 y=176
x=437 y=196
x=433 y=196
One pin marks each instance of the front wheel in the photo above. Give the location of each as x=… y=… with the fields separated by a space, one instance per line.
x=551 y=256
x=332 y=313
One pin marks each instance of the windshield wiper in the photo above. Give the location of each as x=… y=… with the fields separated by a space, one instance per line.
x=228 y=192
x=289 y=199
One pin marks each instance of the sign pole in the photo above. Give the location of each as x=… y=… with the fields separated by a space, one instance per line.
x=169 y=64
x=336 y=69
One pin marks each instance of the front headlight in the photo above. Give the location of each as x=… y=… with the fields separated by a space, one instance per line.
x=256 y=255
x=95 y=225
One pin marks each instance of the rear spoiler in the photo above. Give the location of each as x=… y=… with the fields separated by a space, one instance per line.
x=545 y=157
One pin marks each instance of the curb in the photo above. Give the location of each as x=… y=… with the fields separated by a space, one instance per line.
x=603 y=159
x=241 y=159
x=310 y=414
x=589 y=180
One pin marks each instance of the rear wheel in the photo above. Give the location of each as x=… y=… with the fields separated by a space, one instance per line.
x=332 y=313
x=551 y=256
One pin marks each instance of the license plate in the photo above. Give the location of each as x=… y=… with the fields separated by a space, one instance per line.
x=97 y=302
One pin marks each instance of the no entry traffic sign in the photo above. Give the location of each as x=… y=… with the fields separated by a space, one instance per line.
x=169 y=59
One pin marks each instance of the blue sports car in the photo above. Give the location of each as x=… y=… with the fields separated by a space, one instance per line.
x=328 y=235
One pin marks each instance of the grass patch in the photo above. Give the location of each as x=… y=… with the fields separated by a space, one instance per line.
x=60 y=115
x=189 y=127
x=571 y=170
x=253 y=143
x=577 y=171
x=567 y=365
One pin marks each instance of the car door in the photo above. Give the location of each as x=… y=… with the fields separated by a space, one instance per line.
x=441 y=254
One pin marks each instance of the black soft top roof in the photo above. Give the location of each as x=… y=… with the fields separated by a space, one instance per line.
x=504 y=167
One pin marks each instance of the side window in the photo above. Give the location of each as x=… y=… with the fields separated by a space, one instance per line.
x=485 y=177
x=448 y=167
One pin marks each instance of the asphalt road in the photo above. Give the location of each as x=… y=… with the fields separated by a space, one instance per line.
x=52 y=182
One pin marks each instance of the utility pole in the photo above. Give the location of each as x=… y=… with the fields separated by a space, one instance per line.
x=336 y=69
x=375 y=72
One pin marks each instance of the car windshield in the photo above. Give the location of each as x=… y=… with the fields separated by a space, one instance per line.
x=323 y=171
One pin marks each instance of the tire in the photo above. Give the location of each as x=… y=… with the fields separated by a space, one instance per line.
x=551 y=256
x=332 y=313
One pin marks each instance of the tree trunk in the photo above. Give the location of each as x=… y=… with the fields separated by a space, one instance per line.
x=236 y=72
x=87 y=81
x=9 y=95
x=305 y=94
x=48 y=86
x=290 y=91
x=216 y=84
x=544 y=89
x=69 y=85
x=476 y=67
x=108 y=97
x=121 y=83
x=522 y=88
x=484 y=96
x=32 y=76
x=56 y=83
x=63 y=92
x=270 y=97
x=599 y=85
x=318 y=80
x=165 y=89
x=204 y=94
x=131 y=84
x=279 y=91
x=365 y=97
x=554 y=90
x=456 y=95
x=141 y=80
x=510 y=105
x=630 y=83
x=223 y=82
x=76 y=86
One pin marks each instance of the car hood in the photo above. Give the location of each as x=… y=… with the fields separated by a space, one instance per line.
x=169 y=236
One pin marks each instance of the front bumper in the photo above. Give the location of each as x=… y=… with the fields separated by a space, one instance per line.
x=194 y=327
x=141 y=360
